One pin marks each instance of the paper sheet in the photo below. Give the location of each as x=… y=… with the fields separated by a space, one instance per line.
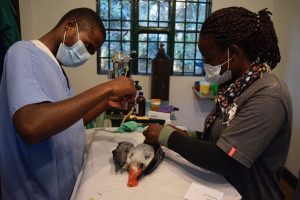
x=201 y=192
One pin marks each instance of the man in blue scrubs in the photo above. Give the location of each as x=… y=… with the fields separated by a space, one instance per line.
x=42 y=123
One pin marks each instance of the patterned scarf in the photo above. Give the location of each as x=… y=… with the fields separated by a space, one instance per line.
x=227 y=95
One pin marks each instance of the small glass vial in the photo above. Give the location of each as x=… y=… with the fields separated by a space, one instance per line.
x=140 y=105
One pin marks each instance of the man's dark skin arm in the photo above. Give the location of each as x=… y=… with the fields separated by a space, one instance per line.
x=95 y=112
x=101 y=107
x=36 y=122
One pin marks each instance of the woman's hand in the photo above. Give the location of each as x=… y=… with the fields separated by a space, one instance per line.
x=152 y=133
x=178 y=130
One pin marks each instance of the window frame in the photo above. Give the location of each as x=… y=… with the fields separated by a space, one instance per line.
x=135 y=30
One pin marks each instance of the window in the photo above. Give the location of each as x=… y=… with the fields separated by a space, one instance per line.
x=137 y=27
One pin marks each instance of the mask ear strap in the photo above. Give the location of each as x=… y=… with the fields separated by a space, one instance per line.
x=77 y=31
x=228 y=60
x=64 y=36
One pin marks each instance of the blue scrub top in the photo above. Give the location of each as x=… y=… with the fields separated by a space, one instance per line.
x=48 y=169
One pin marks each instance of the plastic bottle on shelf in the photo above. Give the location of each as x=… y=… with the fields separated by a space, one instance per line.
x=140 y=105
x=215 y=87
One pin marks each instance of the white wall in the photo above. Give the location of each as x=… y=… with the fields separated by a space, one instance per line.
x=287 y=25
x=39 y=16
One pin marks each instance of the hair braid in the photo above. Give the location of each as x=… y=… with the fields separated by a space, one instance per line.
x=253 y=32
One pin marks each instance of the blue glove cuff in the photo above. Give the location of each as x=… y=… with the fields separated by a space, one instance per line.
x=164 y=135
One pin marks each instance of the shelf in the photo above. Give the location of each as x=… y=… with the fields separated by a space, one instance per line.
x=200 y=96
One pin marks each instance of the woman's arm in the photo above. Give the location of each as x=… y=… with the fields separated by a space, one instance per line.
x=203 y=154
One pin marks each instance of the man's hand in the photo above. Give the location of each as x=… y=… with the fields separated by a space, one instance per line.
x=123 y=91
x=119 y=102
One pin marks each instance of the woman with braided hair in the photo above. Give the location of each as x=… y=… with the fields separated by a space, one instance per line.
x=246 y=136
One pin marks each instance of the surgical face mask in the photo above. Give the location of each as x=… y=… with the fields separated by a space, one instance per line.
x=213 y=72
x=73 y=56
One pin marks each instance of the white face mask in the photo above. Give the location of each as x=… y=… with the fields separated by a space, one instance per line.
x=213 y=72
x=73 y=56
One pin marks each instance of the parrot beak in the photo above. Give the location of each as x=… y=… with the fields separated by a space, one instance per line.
x=134 y=173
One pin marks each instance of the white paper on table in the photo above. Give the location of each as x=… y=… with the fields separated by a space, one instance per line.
x=201 y=192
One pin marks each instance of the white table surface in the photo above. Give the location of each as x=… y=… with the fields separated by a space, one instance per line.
x=170 y=181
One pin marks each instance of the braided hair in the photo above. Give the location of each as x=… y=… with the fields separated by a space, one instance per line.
x=253 y=32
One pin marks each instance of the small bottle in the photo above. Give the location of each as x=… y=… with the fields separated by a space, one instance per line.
x=140 y=105
x=215 y=88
